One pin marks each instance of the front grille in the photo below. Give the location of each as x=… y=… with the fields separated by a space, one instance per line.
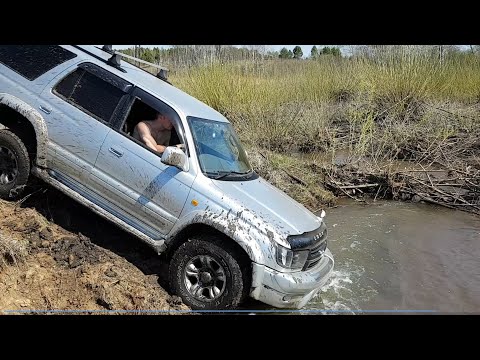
x=315 y=255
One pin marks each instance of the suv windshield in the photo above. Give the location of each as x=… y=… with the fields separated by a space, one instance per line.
x=220 y=154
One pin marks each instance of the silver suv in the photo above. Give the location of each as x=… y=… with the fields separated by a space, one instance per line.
x=66 y=116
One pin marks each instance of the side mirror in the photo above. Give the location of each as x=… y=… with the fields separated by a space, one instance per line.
x=175 y=157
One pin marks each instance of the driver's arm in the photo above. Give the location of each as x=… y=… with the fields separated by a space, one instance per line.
x=147 y=138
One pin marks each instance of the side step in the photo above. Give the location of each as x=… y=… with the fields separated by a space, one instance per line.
x=157 y=245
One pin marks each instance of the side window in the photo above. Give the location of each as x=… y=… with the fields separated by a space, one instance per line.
x=88 y=92
x=147 y=111
x=31 y=61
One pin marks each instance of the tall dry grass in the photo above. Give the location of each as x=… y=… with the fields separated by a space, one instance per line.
x=276 y=82
x=375 y=108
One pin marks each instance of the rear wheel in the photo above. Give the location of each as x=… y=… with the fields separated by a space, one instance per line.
x=14 y=165
x=206 y=273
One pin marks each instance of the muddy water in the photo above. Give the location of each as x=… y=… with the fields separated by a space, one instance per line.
x=402 y=257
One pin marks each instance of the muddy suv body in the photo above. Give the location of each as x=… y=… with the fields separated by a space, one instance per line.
x=67 y=115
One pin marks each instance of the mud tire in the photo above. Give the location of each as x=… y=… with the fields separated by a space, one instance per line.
x=12 y=143
x=222 y=252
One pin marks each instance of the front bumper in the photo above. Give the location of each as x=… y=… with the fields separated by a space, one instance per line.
x=290 y=290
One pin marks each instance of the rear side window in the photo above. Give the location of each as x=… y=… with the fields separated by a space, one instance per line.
x=31 y=61
x=90 y=93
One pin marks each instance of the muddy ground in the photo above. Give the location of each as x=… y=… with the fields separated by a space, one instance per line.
x=56 y=254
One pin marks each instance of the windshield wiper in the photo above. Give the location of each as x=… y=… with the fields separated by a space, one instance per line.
x=222 y=174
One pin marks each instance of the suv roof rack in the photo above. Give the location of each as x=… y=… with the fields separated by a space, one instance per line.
x=108 y=48
x=115 y=59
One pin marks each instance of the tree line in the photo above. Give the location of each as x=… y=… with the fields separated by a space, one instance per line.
x=195 y=55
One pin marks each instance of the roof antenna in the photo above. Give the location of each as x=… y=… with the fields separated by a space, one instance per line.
x=107 y=48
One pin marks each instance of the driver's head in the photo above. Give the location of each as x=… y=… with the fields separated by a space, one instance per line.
x=164 y=120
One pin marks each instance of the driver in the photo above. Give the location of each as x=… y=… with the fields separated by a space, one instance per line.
x=156 y=133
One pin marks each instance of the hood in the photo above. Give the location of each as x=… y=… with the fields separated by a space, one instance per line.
x=270 y=204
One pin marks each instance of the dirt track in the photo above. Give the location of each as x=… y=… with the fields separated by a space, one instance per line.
x=57 y=255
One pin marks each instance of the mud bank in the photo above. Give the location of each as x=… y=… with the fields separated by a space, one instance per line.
x=319 y=180
x=57 y=255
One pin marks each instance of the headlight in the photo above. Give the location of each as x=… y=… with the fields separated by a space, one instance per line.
x=291 y=259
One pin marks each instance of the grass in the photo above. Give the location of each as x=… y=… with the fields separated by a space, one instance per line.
x=276 y=82
x=371 y=108
x=408 y=108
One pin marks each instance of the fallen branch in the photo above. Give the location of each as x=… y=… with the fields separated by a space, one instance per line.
x=425 y=197
x=297 y=179
x=378 y=191
x=453 y=185
x=475 y=185
x=342 y=190
x=430 y=200
x=418 y=170
x=358 y=186
x=444 y=193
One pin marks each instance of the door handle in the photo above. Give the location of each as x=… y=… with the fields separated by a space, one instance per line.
x=115 y=152
x=45 y=109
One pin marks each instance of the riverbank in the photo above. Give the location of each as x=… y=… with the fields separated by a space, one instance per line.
x=318 y=181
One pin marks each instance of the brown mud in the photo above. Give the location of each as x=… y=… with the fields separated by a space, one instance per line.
x=56 y=255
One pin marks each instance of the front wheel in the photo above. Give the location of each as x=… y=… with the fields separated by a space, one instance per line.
x=205 y=272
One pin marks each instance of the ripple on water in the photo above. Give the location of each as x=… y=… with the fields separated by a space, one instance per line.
x=393 y=255
x=343 y=292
